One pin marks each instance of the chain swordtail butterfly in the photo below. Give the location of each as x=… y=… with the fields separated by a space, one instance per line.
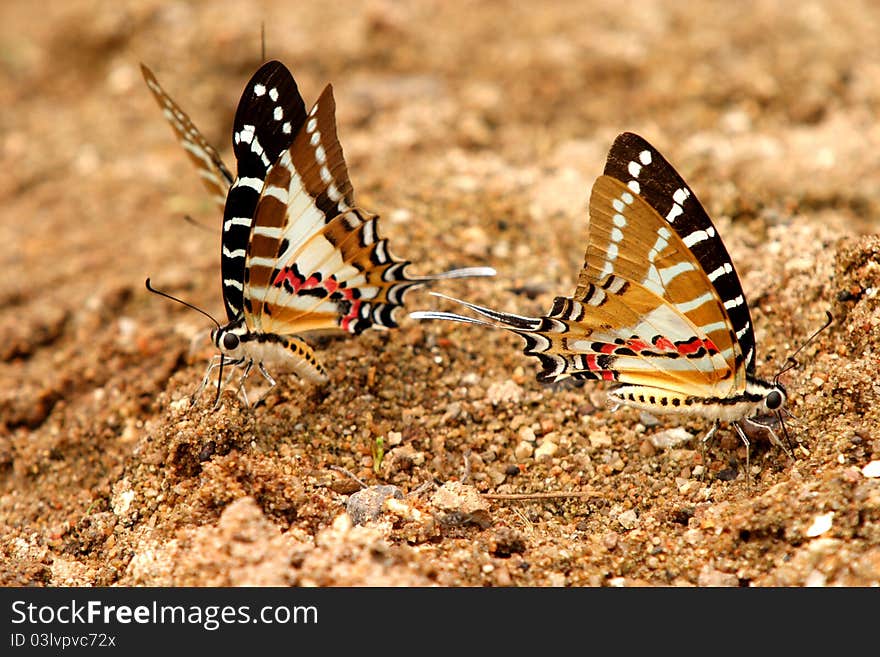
x=298 y=256
x=659 y=309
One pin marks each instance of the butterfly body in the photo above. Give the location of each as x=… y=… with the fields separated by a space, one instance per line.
x=760 y=398
x=242 y=346
x=658 y=310
x=297 y=254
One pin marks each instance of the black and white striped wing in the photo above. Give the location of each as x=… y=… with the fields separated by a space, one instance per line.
x=270 y=114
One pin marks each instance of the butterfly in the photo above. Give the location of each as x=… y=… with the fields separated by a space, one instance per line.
x=298 y=256
x=659 y=310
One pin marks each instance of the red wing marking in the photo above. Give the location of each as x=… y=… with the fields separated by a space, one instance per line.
x=664 y=343
x=694 y=345
x=293 y=282
x=683 y=347
x=594 y=366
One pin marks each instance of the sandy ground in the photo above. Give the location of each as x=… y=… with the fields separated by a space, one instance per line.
x=475 y=130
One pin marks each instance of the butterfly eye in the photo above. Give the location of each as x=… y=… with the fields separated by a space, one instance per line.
x=230 y=341
x=773 y=400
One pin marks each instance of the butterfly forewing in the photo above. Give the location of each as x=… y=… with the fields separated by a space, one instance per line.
x=633 y=161
x=214 y=174
x=270 y=114
x=308 y=187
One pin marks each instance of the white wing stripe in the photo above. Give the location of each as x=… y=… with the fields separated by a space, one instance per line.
x=276 y=192
x=264 y=262
x=698 y=236
x=236 y=221
x=255 y=184
x=723 y=269
x=268 y=231
x=231 y=282
x=687 y=306
x=733 y=303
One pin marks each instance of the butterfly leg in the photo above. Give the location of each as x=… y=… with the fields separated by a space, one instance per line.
x=212 y=365
x=241 y=389
x=266 y=375
x=217 y=361
x=269 y=378
x=705 y=441
x=222 y=386
x=742 y=436
x=774 y=438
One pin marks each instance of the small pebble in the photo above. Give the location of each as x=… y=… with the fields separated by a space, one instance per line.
x=628 y=519
x=648 y=420
x=821 y=524
x=599 y=439
x=504 y=391
x=546 y=450
x=711 y=577
x=609 y=540
x=670 y=438
x=456 y=496
x=524 y=450
x=366 y=504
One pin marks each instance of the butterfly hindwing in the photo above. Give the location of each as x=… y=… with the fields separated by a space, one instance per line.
x=616 y=332
x=619 y=330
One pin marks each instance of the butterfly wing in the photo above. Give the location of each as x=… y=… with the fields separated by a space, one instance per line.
x=270 y=114
x=635 y=162
x=315 y=262
x=214 y=174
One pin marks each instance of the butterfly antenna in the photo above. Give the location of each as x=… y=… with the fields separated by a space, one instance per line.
x=263 y=40
x=180 y=301
x=785 y=434
x=791 y=361
x=188 y=219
